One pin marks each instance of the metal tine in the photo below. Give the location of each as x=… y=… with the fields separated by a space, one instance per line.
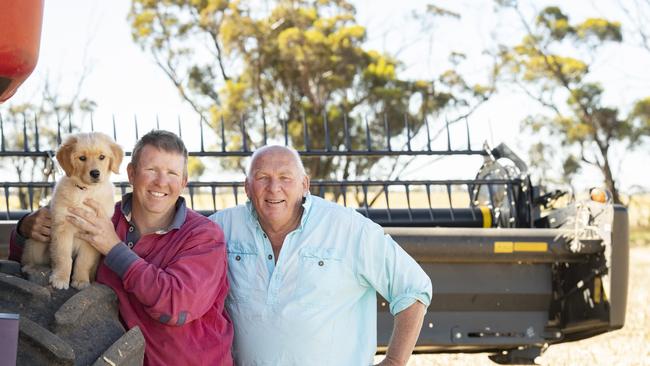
x=511 y=204
x=69 y=123
x=471 y=202
x=490 y=187
x=157 y=122
x=191 y=191
x=214 y=198
x=364 y=187
x=387 y=129
x=2 y=134
x=234 y=192
x=201 y=132
x=6 y=189
x=408 y=202
x=451 y=207
x=426 y=125
x=92 y=123
x=180 y=131
x=348 y=144
x=390 y=219
x=223 y=134
x=135 y=121
x=30 y=194
x=305 y=131
x=285 y=129
x=36 y=135
x=407 y=127
x=448 y=134
x=428 y=188
x=58 y=129
x=265 y=133
x=243 y=133
x=25 y=142
x=114 y=129
x=368 y=141
x=344 y=192
x=328 y=145
x=469 y=144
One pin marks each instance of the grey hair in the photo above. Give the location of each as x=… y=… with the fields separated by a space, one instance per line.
x=263 y=149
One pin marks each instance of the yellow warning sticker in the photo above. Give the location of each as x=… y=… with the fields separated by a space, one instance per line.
x=523 y=246
x=503 y=246
x=519 y=246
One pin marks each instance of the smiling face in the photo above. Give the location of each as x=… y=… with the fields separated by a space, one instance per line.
x=276 y=186
x=158 y=179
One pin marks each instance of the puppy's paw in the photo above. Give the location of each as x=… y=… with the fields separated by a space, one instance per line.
x=79 y=285
x=59 y=283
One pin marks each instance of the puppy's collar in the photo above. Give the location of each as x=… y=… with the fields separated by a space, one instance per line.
x=80 y=187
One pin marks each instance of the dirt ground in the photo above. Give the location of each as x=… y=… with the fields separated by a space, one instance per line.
x=628 y=346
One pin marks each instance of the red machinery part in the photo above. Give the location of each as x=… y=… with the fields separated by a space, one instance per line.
x=20 y=38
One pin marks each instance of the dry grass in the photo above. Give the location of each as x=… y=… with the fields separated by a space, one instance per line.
x=628 y=346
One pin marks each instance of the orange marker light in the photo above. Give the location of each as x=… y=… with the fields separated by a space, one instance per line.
x=598 y=195
x=20 y=39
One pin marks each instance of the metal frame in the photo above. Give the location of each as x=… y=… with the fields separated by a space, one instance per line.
x=513 y=303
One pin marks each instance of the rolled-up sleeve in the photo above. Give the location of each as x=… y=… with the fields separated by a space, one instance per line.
x=393 y=273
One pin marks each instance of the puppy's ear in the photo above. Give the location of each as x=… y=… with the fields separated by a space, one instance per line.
x=64 y=155
x=116 y=160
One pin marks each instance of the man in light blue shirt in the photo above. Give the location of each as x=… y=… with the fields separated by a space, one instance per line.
x=304 y=273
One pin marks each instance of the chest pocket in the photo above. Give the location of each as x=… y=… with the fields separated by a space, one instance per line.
x=320 y=274
x=242 y=261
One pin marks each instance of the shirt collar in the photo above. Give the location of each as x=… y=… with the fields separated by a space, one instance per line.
x=306 y=204
x=179 y=214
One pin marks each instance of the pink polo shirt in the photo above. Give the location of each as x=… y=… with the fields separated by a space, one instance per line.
x=173 y=286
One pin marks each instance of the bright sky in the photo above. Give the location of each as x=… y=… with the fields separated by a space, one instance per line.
x=124 y=81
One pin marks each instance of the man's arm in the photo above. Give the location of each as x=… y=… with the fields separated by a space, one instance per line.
x=387 y=268
x=406 y=330
x=36 y=225
x=175 y=295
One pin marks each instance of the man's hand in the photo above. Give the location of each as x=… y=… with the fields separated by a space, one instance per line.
x=95 y=227
x=37 y=225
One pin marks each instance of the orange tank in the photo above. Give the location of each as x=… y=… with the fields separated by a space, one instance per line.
x=20 y=38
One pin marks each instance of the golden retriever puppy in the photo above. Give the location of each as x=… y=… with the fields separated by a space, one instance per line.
x=87 y=160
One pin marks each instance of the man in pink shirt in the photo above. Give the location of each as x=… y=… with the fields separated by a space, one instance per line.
x=165 y=262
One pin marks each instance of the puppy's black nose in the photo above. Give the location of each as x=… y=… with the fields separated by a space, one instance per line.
x=94 y=173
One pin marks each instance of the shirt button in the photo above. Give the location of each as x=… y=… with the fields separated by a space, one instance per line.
x=270 y=257
x=321 y=263
x=130 y=229
x=264 y=235
x=237 y=258
x=130 y=244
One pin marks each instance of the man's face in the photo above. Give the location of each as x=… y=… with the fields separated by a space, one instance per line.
x=157 y=180
x=276 y=187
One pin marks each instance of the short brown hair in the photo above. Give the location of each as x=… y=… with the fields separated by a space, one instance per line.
x=162 y=140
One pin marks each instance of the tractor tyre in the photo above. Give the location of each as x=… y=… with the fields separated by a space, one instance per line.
x=66 y=327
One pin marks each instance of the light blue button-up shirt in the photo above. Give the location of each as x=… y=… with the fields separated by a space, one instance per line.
x=317 y=305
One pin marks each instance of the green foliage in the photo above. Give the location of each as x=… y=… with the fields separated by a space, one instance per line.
x=195 y=168
x=578 y=120
x=296 y=65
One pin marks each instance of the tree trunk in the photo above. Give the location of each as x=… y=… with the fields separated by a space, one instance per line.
x=609 y=180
